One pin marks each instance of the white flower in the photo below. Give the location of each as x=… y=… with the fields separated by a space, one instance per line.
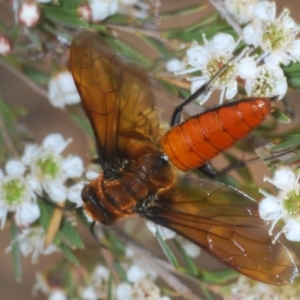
x=143 y=289
x=57 y=294
x=74 y=194
x=164 y=232
x=50 y=168
x=174 y=65
x=266 y=81
x=85 y=12
x=102 y=9
x=275 y=36
x=89 y=293
x=100 y=275
x=136 y=273
x=191 y=249
x=123 y=291
x=285 y=205
x=98 y=287
x=209 y=59
x=29 y=14
x=249 y=289
x=5 y=45
x=242 y=10
x=17 y=195
x=62 y=90
x=32 y=241
x=27 y=213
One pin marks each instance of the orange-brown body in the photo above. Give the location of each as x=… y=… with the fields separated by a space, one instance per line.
x=199 y=139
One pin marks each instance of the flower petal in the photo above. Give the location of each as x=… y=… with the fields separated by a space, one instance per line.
x=55 y=142
x=14 y=168
x=56 y=190
x=27 y=213
x=265 y=10
x=72 y=166
x=269 y=209
x=74 y=194
x=292 y=230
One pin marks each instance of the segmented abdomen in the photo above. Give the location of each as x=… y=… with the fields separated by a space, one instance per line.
x=197 y=140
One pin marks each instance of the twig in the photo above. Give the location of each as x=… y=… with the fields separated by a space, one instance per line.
x=25 y=79
x=225 y=14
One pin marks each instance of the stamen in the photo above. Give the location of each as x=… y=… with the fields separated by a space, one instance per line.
x=278 y=235
x=222 y=95
x=183 y=72
x=274 y=224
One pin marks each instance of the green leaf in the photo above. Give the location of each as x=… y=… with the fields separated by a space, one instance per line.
x=46 y=213
x=110 y=288
x=167 y=250
x=115 y=245
x=219 y=277
x=191 y=266
x=71 y=235
x=17 y=265
x=131 y=53
x=292 y=73
x=294 y=158
x=207 y=293
x=280 y=116
x=37 y=76
x=64 y=16
x=293 y=142
x=120 y=271
x=72 y=4
x=70 y=256
x=9 y=134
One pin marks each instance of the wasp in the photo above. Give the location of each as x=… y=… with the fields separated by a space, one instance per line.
x=150 y=174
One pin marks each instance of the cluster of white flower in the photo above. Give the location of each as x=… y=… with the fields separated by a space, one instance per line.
x=42 y=169
x=92 y=287
x=247 y=288
x=62 y=90
x=140 y=280
x=140 y=284
x=29 y=13
x=285 y=206
x=98 y=10
x=273 y=38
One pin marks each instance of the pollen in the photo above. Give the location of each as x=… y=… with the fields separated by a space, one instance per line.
x=292 y=203
x=13 y=191
x=48 y=166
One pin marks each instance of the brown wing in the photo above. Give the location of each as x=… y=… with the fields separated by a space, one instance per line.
x=225 y=222
x=117 y=97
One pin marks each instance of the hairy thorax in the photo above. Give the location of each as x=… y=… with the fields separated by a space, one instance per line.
x=110 y=198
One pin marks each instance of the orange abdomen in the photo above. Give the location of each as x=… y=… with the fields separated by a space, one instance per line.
x=197 y=140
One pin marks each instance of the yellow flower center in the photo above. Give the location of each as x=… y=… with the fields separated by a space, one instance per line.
x=48 y=166
x=215 y=65
x=275 y=37
x=292 y=203
x=13 y=191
